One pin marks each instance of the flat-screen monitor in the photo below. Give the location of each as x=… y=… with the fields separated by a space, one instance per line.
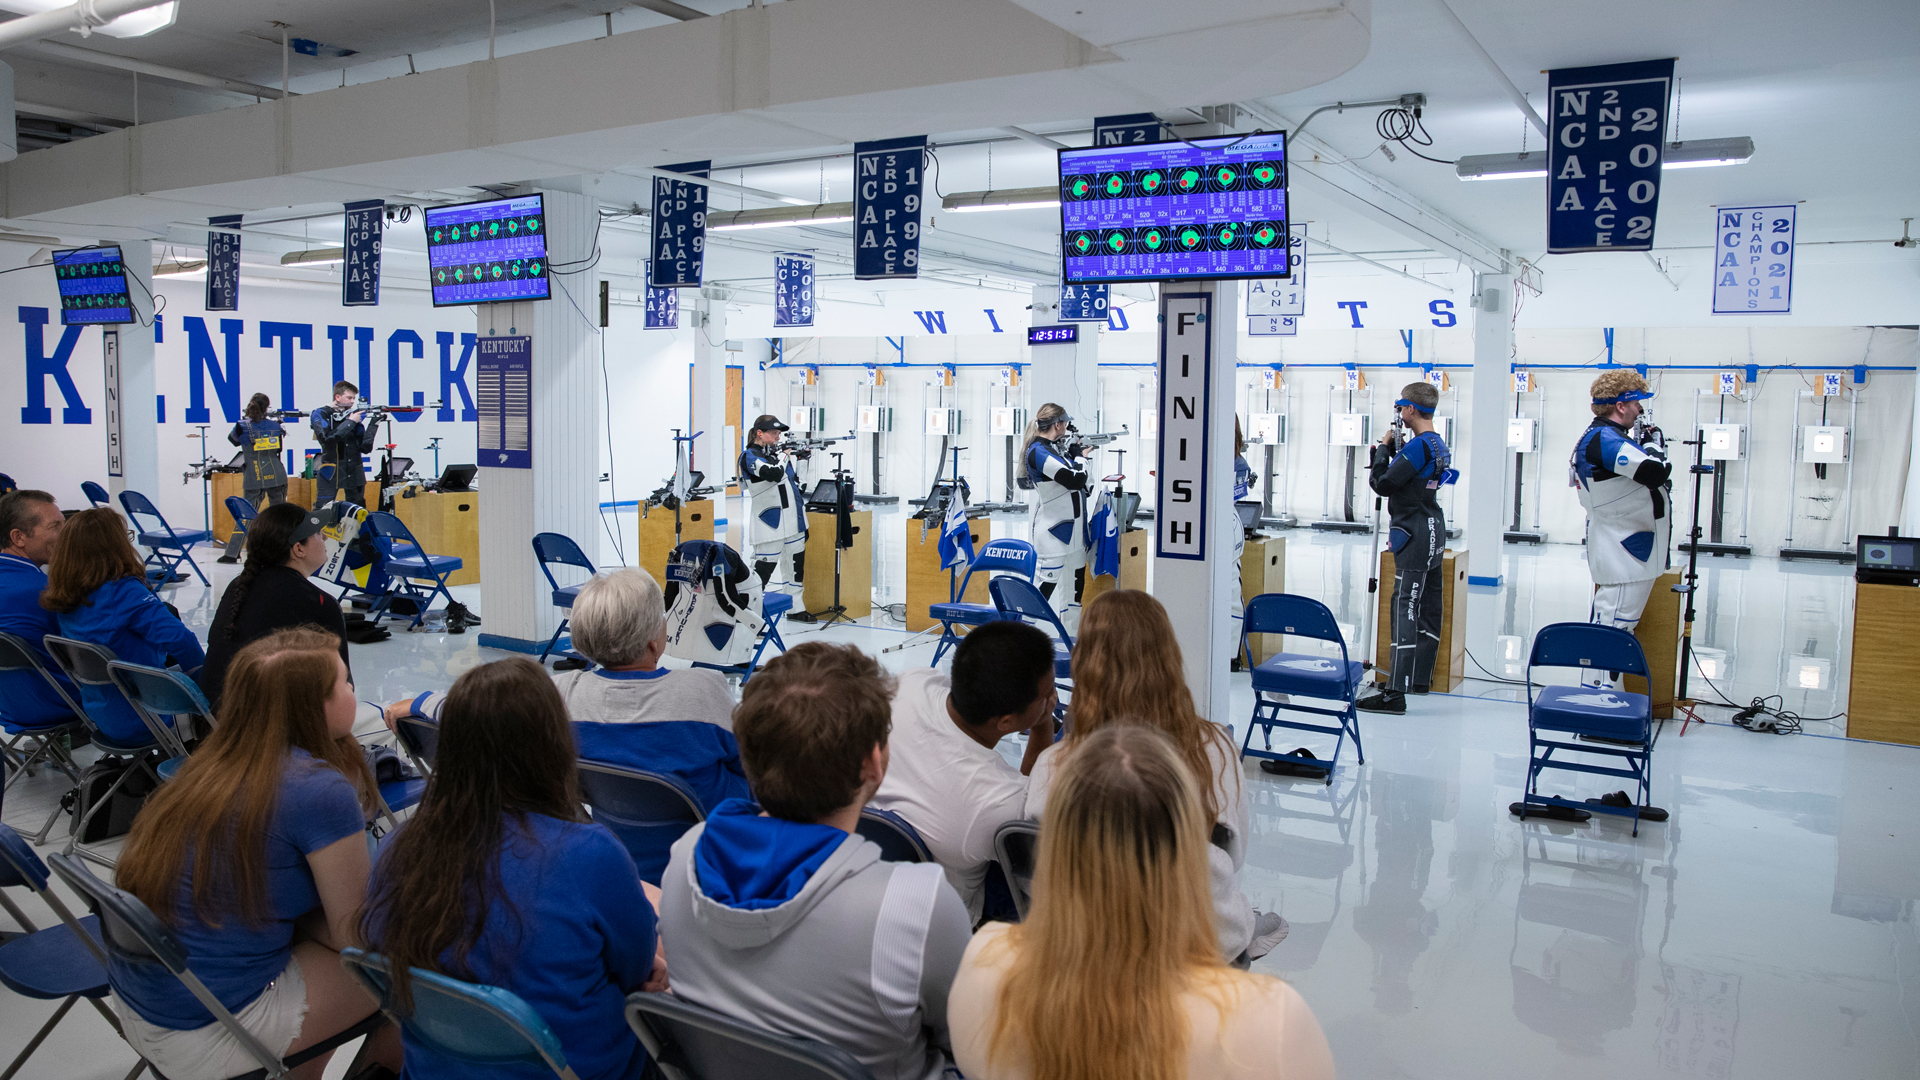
x=488 y=252
x=1199 y=209
x=1249 y=514
x=93 y=286
x=395 y=468
x=456 y=478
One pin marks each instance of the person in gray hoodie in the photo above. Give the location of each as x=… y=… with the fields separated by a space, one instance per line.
x=781 y=915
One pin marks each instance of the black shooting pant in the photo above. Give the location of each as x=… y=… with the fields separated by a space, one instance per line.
x=1417 y=583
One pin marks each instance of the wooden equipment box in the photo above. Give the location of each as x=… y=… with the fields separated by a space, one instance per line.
x=1263 y=569
x=856 y=565
x=445 y=523
x=1450 y=666
x=1134 y=544
x=1880 y=701
x=299 y=491
x=656 y=536
x=1659 y=636
x=926 y=581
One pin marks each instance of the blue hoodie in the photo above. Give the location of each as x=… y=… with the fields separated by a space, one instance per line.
x=131 y=622
x=752 y=863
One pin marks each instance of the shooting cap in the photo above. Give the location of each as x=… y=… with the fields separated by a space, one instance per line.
x=768 y=422
x=1616 y=387
x=1631 y=395
x=315 y=522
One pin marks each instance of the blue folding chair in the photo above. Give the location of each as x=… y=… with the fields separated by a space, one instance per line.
x=1016 y=847
x=420 y=738
x=899 y=841
x=691 y=1042
x=242 y=513
x=97 y=497
x=88 y=664
x=483 y=1026
x=167 y=547
x=551 y=548
x=1624 y=720
x=998 y=556
x=648 y=811
x=1299 y=675
x=45 y=739
x=133 y=935
x=1018 y=598
x=64 y=963
x=157 y=692
x=407 y=564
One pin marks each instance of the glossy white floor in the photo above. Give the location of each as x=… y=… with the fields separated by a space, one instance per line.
x=1766 y=931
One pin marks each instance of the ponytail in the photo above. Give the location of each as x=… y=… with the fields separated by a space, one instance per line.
x=1043 y=417
x=257 y=407
x=269 y=544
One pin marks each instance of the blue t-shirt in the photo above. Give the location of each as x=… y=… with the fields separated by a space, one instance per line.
x=317 y=808
x=123 y=616
x=575 y=936
x=25 y=697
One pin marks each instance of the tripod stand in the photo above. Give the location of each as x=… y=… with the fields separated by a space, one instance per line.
x=1690 y=586
x=842 y=540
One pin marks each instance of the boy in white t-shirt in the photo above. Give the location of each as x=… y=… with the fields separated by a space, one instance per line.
x=946 y=778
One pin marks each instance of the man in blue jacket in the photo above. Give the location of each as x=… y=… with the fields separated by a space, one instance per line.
x=343 y=439
x=1409 y=472
x=29 y=524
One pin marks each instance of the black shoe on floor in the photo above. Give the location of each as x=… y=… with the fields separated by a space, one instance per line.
x=1423 y=691
x=228 y=559
x=1386 y=701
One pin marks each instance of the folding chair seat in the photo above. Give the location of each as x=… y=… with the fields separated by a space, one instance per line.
x=1016 y=847
x=1624 y=720
x=45 y=737
x=998 y=556
x=484 y=1026
x=407 y=563
x=551 y=548
x=420 y=738
x=64 y=963
x=167 y=547
x=132 y=934
x=1300 y=675
x=691 y=1042
x=242 y=512
x=899 y=841
x=647 y=811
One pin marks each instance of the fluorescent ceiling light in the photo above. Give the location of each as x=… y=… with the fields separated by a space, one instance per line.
x=179 y=268
x=314 y=257
x=971 y=202
x=776 y=216
x=1692 y=154
x=133 y=24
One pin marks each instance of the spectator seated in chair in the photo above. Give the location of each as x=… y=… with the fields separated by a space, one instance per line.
x=255 y=857
x=97 y=586
x=30 y=522
x=631 y=711
x=554 y=910
x=274 y=591
x=944 y=775
x=788 y=919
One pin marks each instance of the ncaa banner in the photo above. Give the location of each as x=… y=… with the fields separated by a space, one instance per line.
x=360 y=273
x=223 y=263
x=679 y=225
x=1126 y=128
x=663 y=307
x=1606 y=133
x=1753 y=260
x=886 y=207
x=1273 y=326
x=1083 y=303
x=792 y=289
x=1287 y=295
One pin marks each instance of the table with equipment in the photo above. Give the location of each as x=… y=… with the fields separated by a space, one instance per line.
x=656 y=540
x=856 y=565
x=927 y=583
x=300 y=491
x=445 y=523
x=1263 y=569
x=1659 y=636
x=1135 y=550
x=1886 y=607
x=1450 y=665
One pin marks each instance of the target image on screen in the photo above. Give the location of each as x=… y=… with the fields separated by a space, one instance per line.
x=93 y=286
x=488 y=252
x=1200 y=209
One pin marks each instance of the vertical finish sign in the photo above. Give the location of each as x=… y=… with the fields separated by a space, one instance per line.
x=1186 y=399
x=116 y=434
x=1753 y=260
x=886 y=207
x=792 y=289
x=360 y=274
x=503 y=390
x=1608 y=128
x=679 y=228
x=223 y=263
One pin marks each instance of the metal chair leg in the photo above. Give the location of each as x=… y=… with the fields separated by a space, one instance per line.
x=39 y=1037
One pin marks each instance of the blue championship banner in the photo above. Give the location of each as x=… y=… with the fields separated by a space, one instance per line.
x=1753 y=260
x=792 y=289
x=1127 y=128
x=663 y=307
x=360 y=273
x=679 y=225
x=1607 y=132
x=1083 y=303
x=503 y=394
x=223 y=263
x=886 y=207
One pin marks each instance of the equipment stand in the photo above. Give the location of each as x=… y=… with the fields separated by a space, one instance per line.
x=206 y=481
x=842 y=540
x=1682 y=701
x=433 y=444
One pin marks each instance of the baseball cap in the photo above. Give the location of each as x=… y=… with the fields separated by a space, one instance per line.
x=768 y=423
x=316 y=521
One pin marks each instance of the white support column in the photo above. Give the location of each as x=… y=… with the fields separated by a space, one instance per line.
x=711 y=453
x=1485 y=460
x=140 y=435
x=1910 y=505
x=561 y=492
x=1067 y=374
x=1194 y=573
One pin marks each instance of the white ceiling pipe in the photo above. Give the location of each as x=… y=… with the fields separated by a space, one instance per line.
x=64 y=51
x=83 y=16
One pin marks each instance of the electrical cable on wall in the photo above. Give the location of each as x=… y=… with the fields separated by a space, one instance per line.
x=1402 y=125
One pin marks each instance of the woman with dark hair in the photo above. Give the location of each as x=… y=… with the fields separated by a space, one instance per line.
x=1054 y=469
x=255 y=856
x=273 y=591
x=499 y=878
x=97 y=585
x=260 y=439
